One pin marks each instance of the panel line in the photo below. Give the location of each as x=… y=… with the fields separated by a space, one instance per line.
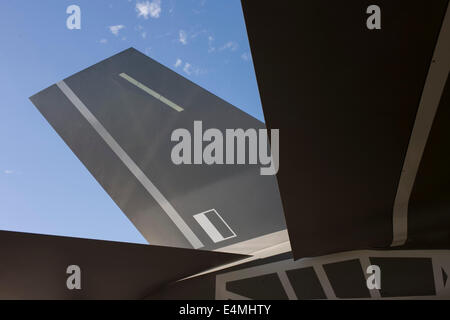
x=132 y=166
x=429 y=103
x=151 y=92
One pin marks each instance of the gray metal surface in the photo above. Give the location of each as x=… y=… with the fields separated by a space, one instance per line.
x=34 y=267
x=404 y=274
x=429 y=207
x=345 y=99
x=123 y=138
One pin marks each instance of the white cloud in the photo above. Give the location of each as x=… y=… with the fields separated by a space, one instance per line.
x=178 y=63
x=103 y=41
x=187 y=68
x=140 y=29
x=211 y=47
x=192 y=70
x=231 y=45
x=246 y=56
x=8 y=171
x=147 y=8
x=182 y=37
x=115 y=29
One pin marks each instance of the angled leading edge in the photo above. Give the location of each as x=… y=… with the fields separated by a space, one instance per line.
x=363 y=120
x=118 y=117
x=35 y=267
x=405 y=274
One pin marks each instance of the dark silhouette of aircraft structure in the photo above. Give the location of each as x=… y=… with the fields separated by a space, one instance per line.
x=363 y=180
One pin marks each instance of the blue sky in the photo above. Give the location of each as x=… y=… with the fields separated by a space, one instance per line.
x=44 y=188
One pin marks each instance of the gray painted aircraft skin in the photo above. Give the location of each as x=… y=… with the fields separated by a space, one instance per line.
x=35 y=266
x=405 y=273
x=122 y=134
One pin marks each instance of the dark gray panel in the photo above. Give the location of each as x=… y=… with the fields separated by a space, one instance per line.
x=345 y=99
x=107 y=169
x=444 y=277
x=306 y=284
x=429 y=206
x=204 y=287
x=347 y=279
x=142 y=126
x=219 y=224
x=402 y=277
x=34 y=267
x=198 y=288
x=265 y=287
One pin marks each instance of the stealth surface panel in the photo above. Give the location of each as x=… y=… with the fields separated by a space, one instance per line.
x=256 y=287
x=402 y=277
x=306 y=284
x=429 y=207
x=345 y=100
x=137 y=103
x=347 y=279
x=34 y=267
